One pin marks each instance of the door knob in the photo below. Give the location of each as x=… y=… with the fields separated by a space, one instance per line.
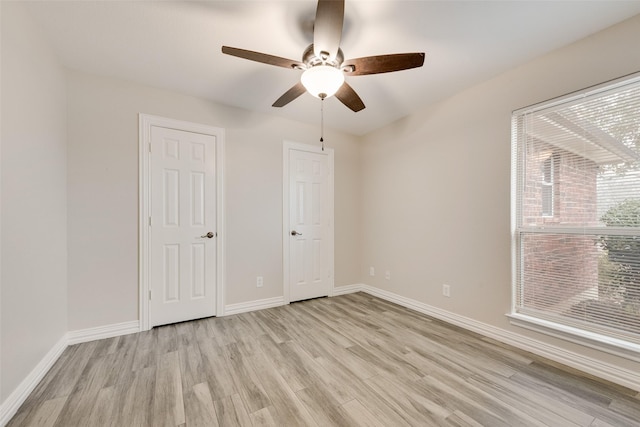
x=209 y=235
x=295 y=233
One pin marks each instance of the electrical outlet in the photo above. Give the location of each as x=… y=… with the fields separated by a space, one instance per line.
x=446 y=290
x=259 y=281
x=387 y=275
x=372 y=271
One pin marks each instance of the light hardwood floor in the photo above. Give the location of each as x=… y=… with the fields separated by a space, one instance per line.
x=352 y=360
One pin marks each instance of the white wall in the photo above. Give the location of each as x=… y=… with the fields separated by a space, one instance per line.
x=34 y=230
x=436 y=199
x=103 y=195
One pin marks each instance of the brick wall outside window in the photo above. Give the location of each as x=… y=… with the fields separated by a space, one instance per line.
x=549 y=256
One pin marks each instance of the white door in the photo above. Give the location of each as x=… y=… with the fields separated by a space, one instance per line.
x=183 y=221
x=309 y=225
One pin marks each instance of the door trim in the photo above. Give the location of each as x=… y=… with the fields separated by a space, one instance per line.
x=287 y=146
x=145 y=122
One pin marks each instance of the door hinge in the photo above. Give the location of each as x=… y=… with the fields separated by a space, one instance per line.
x=150 y=221
x=149 y=146
x=149 y=294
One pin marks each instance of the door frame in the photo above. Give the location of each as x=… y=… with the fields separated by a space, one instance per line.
x=287 y=146
x=145 y=122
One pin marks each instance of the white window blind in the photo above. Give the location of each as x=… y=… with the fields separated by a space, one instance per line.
x=576 y=207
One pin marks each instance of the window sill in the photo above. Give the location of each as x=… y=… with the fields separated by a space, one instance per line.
x=610 y=345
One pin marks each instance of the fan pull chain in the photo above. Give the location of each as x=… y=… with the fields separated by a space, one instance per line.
x=322 y=122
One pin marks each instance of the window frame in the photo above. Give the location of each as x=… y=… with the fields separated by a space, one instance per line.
x=598 y=341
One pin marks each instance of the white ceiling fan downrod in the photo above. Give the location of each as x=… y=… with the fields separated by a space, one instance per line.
x=322 y=119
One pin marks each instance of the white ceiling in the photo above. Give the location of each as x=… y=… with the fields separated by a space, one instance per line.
x=176 y=45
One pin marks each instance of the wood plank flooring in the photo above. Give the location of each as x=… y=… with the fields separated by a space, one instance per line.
x=352 y=360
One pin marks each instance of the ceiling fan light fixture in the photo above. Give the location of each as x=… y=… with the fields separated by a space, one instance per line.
x=322 y=81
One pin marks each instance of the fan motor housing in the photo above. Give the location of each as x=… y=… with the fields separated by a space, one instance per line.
x=309 y=57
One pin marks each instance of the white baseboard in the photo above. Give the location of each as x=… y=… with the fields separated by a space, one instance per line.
x=260 y=304
x=11 y=405
x=101 y=332
x=604 y=370
x=347 y=289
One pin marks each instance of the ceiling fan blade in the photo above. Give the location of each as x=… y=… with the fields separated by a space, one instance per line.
x=263 y=57
x=290 y=95
x=382 y=63
x=350 y=98
x=327 y=30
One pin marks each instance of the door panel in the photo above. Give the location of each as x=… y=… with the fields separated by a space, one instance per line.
x=198 y=273
x=309 y=269
x=183 y=194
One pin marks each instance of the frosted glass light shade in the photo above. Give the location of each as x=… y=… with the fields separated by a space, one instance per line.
x=322 y=79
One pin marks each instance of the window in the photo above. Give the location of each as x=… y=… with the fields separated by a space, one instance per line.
x=576 y=215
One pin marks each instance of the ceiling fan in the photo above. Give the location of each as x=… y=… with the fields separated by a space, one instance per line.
x=324 y=64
